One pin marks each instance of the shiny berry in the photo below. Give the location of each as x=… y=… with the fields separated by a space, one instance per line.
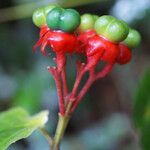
x=111 y=28
x=87 y=22
x=133 y=39
x=39 y=17
x=63 y=19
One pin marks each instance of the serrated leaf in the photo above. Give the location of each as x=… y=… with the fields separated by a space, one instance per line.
x=16 y=124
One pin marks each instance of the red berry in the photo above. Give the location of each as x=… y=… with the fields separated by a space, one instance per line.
x=125 y=54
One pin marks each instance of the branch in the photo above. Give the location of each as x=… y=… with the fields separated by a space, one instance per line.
x=25 y=10
x=56 y=76
x=92 y=77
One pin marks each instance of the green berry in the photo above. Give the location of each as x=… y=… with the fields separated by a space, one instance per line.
x=113 y=29
x=39 y=17
x=87 y=22
x=95 y=17
x=102 y=23
x=64 y=19
x=53 y=17
x=70 y=20
x=133 y=39
x=48 y=8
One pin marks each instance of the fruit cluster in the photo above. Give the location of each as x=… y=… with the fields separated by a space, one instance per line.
x=98 y=38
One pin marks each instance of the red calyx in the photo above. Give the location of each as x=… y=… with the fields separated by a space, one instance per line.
x=63 y=42
x=93 y=46
x=125 y=54
x=44 y=29
x=83 y=39
x=58 y=40
x=97 y=43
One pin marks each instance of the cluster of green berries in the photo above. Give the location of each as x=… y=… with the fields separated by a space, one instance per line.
x=69 y=20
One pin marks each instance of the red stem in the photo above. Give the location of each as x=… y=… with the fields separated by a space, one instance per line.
x=64 y=82
x=57 y=79
x=80 y=73
x=92 y=77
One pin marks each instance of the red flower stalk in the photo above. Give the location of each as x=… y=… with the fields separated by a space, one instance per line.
x=60 y=42
x=99 y=39
x=95 y=48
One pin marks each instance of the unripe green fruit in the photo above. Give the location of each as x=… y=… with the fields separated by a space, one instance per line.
x=113 y=29
x=95 y=17
x=87 y=22
x=53 y=17
x=39 y=17
x=48 y=8
x=133 y=39
x=64 y=19
x=70 y=20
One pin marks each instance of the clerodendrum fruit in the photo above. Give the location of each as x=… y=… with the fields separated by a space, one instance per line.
x=48 y=8
x=70 y=20
x=133 y=39
x=64 y=19
x=87 y=22
x=95 y=17
x=39 y=17
x=53 y=18
x=113 y=29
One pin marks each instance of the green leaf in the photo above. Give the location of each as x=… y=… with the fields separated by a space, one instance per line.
x=141 y=110
x=145 y=137
x=16 y=124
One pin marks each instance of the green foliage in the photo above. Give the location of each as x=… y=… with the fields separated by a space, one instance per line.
x=29 y=93
x=16 y=124
x=30 y=89
x=142 y=110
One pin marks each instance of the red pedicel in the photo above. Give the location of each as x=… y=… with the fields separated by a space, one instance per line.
x=125 y=54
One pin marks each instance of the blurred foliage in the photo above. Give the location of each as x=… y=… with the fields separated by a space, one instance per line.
x=30 y=90
x=142 y=110
x=142 y=101
x=26 y=10
x=109 y=134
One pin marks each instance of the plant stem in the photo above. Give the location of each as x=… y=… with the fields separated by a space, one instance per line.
x=47 y=136
x=25 y=10
x=61 y=127
x=58 y=83
x=92 y=77
x=64 y=81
